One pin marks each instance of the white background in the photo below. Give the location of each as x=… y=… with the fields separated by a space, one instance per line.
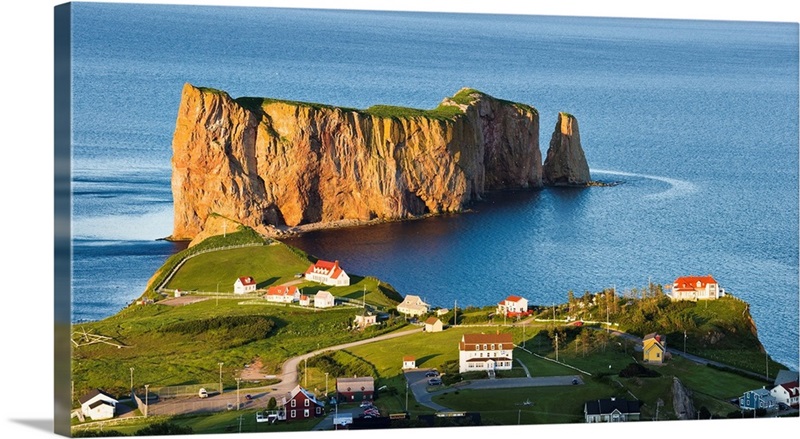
x=26 y=240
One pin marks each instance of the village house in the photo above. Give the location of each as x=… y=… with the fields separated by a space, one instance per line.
x=654 y=348
x=355 y=389
x=98 y=405
x=305 y=300
x=365 y=319
x=244 y=285
x=786 y=393
x=283 y=294
x=324 y=299
x=513 y=306
x=485 y=352
x=299 y=404
x=612 y=410
x=409 y=362
x=441 y=311
x=328 y=273
x=412 y=306
x=757 y=399
x=433 y=325
x=695 y=288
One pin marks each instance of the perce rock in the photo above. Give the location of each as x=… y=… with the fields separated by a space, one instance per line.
x=565 y=164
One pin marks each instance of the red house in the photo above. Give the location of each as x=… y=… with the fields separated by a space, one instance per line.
x=299 y=404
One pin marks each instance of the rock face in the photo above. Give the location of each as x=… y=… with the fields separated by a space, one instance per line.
x=265 y=162
x=682 y=400
x=565 y=164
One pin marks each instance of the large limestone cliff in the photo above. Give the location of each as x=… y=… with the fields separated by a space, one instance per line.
x=565 y=164
x=265 y=162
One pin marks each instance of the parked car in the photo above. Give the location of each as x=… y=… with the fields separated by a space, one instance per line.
x=366 y=404
x=434 y=382
x=202 y=393
x=432 y=373
x=574 y=381
x=248 y=397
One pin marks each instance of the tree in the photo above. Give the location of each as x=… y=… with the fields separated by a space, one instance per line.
x=570 y=300
x=272 y=403
x=602 y=338
x=586 y=339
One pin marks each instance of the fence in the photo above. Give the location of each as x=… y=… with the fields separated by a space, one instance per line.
x=139 y=403
x=183 y=390
x=172 y=272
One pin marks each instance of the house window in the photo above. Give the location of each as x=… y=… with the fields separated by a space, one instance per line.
x=305 y=413
x=293 y=414
x=305 y=403
x=484 y=347
x=294 y=403
x=500 y=347
x=492 y=346
x=318 y=410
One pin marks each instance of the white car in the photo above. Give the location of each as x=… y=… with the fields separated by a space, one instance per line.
x=202 y=393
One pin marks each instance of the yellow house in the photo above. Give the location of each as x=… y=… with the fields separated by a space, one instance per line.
x=654 y=347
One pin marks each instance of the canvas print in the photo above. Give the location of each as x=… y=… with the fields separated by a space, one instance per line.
x=308 y=219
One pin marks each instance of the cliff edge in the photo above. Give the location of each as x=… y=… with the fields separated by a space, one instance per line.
x=266 y=162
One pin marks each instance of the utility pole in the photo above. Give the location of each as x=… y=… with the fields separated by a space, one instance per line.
x=684 y=342
x=406 y=396
x=305 y=373
x=556 y=346
x=519 y=415
x=220 y=377
x=766 y=360
x=554 y=312
x=326 y=384
x=238 y=380
x=131 y=379
x=146 y=400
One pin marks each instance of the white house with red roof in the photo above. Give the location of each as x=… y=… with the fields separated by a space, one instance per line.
x=98 y=405
x=244 y=285
x=283 y=294
x=513 y=306
x=305 y=300
x=300 y=404
x=328 y=273
x=485 y=352
x=409 y=362
x=786 y=393
x=695 y=288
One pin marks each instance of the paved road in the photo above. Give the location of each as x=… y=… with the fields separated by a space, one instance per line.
x=260 y=395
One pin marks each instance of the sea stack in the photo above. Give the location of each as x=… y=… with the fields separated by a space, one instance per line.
x=565 y=164
x=269 y=163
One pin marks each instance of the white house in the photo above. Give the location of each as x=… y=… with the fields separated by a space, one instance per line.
x=365 y=319
x=244 y=285
x=695 y=288
x=786 y=393
x=305 y=300
x=485 y=352
x=442 y=311
x=328 y=273
x=409 y=362
x=412 y=306
x=433 y=325
x=324 y=299
x=283 y=294
x=512 y=306
x=98 y=405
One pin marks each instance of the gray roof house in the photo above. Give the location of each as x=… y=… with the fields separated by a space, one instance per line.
x=612 y=410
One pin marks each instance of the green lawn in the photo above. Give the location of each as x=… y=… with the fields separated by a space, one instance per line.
x=271 y=264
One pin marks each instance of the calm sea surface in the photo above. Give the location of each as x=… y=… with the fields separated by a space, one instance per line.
x=697 y=119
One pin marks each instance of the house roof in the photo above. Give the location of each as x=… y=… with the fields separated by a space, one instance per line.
x=303 y=297
x=608 y=405
x=100 y=402
x=657 y=337
x=791 y=388
x=431 y=321
x=282 y=290
x=299 y=390
x=412 y=300
x=323 y=295
x=368 y=383
x=408 y=358
x=513 y=299
x=92 y=394
x=469 y=341
x=689 y=283
x=247 y=280
x=761 y=392
x=328 y=268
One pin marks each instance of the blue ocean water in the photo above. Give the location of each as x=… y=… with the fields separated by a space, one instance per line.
x=697 y=119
